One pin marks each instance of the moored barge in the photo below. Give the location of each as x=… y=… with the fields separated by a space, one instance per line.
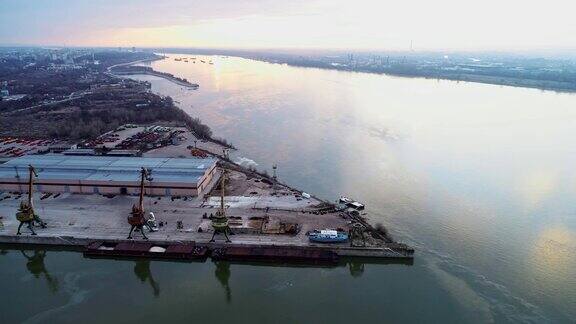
x=176 y=251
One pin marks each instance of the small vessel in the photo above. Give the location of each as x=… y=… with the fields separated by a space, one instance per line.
x=328 y=236
x=351 y=203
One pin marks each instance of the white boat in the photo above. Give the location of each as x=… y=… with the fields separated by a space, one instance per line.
x=345 y=200
x=351 y=203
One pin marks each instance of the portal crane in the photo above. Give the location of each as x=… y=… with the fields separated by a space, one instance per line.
x=26 y=214
x=220 y=221
x=136 y=218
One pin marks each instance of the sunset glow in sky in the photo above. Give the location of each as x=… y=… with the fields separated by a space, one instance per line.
x=359 y=24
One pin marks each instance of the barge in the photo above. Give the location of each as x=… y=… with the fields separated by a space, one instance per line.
x=176 y=251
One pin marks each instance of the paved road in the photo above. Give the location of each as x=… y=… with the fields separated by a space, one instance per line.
x=73 y=96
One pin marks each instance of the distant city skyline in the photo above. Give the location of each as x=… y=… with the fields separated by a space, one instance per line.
x=299 y=24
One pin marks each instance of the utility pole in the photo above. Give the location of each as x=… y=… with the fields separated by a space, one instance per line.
x=274 y=174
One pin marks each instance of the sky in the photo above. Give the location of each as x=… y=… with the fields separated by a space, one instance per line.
x=299 y=24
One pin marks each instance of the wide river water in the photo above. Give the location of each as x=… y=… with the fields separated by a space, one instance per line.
x=480 y=179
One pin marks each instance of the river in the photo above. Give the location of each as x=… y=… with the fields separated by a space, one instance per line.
x=478 y=178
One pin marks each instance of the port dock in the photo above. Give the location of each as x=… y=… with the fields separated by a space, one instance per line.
x=80 y=221
x=86 y=201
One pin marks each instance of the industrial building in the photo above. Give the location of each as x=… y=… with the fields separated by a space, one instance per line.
x=108 y=175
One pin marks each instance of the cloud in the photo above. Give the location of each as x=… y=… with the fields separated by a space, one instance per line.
x=362 y=24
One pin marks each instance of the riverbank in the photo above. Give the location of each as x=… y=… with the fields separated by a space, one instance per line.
x=554 y=75
x=166 y=76
x=555 y=86
x=545 y=85
x=131 y=68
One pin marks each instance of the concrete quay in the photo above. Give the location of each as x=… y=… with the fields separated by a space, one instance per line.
x=77 y=220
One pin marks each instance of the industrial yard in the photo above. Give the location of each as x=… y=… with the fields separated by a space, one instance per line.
x=96 y=217
x=258 y=211
x=11 y=147
x=76 y=220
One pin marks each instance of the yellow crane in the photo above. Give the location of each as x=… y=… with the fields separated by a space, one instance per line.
x=26 y=214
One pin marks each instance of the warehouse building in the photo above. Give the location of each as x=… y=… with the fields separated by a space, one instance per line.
x=108 y=175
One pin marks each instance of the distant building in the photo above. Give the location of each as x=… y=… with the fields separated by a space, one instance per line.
x=60 y=147
x=93 y=152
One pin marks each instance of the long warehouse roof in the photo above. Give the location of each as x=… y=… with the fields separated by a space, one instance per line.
x=106 y=168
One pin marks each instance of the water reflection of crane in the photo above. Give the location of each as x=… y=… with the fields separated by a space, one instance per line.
x=26 y=214
x=222 y=273
x=356 y=268
x=36 y=267
x=142 y=271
